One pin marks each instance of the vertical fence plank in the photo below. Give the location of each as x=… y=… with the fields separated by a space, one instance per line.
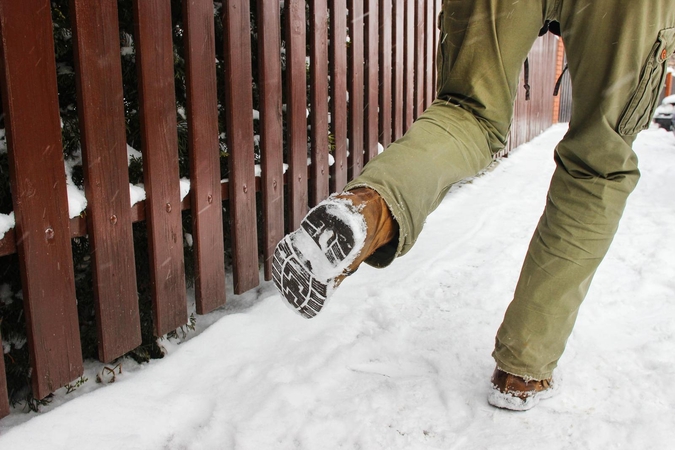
x=319 y=99
x=542 y=60
x=271 y=128
x=106 y=175
x=30 y=103
x=559 y=62
x=436 y=34
x=385 y=55
x=532 y=117
x=159 y=141
x=239 y=129
x=420 y=21
x=429 y=66
x=356 y=87
x=398 y=66
x=372 y=81
x=409 y=64
x=338 y=91
x=204 y=150
x=4 y=399
x=565 y=94
x=668 y=88
x=296 y=110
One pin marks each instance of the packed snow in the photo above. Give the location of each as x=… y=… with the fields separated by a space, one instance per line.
x=7 y=222
x=400 y=357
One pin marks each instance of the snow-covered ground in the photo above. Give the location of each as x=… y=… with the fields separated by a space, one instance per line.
x=400 y=358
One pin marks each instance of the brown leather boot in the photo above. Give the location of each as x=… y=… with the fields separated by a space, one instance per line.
x=518 y=394
x=380 y=224
x=334 y=238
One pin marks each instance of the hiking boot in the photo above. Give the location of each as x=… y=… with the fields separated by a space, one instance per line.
x=334 y=238
x=518 y=394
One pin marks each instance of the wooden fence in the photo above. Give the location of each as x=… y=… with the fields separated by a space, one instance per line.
x=533 y=116
x=372 y=89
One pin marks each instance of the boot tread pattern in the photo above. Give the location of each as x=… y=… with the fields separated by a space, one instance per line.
x=341 y=241
x=298 y=285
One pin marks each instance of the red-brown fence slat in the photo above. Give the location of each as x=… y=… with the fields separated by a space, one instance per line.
x=409 y=65
x=429 y=63
x=385 y=57
x=159 y=140
x=239 y=131
x=98 y=71
x=296 y=111
x=318 y=87
x=398 y=66
x=420 y=21
x=542 y=59
x=356 y=87
x=372 y=79
x=38 y=184
x=437 y=35
x=338 y=91
x=531 y=117
x=271 y=128
x=565 y=94
x=668 y=88
x=204 y=150
x=4 y=398
x=559 y=58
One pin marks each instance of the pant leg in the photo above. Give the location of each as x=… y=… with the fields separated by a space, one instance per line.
x=617 y=53
x=482 y=49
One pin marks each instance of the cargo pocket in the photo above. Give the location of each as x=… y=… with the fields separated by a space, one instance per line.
x=640 y=108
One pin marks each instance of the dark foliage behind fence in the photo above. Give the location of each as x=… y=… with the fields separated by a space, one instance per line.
x=353 y=73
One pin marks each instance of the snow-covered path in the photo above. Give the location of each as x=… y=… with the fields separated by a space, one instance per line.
x=400 y=358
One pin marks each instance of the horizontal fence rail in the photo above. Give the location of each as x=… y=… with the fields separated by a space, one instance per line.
x=328 y=83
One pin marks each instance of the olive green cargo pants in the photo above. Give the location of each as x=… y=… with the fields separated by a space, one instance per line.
x=617 y=51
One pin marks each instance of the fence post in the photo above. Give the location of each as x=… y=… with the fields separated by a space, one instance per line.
x=409 y=64
x=318 y=90
x=101 y=112
x=397 y=69
x=37 y=178
x=385 y=53
x=355 y=85
x=372 y=130
x=338 y=93
x=154 y=52
x=271 y=128
x=296 y=110
x=204 y=149
x=669 y=85
x=429 y=66
x=239 y=130
x=419 y=58
x=559 y=61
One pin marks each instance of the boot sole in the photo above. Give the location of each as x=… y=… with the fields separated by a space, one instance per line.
x=292 y=273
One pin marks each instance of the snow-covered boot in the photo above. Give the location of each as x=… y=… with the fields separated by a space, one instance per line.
x=518 y=394
x=334 y=238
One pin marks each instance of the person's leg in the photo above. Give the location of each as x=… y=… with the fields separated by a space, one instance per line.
x=482 y=49
x=617 y=51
